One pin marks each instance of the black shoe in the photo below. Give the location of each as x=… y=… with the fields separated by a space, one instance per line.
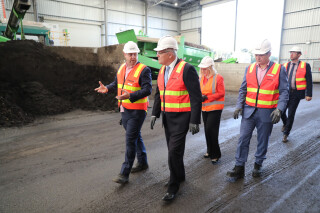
x=257 y=171
x=206 y=155
x=168 y=196
x=139 y=167
x=283 y=128
x=236 y=173
x=121 y=179
x=214 y=161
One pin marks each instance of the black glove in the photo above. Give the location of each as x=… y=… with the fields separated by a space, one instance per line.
x=236 y=113
x=275 y=116
x=194 y=128
x=204 y=98
x=120 y=122
x=152 y=121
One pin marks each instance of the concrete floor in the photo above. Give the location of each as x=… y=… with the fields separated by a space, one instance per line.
x=66 y=163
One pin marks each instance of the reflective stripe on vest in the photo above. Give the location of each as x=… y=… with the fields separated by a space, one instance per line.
x=174 y=97
x=301 y=81
x=131 y=84
x=267 y=94
x=205 y=89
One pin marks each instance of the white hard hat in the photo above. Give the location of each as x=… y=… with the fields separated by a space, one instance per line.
x=262 y=48
x=166 y=42
x=207 y=61
x=131 y=47
x=295 y=49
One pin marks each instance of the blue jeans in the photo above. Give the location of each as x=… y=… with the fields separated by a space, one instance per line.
x=132 y=121
x=264 y=129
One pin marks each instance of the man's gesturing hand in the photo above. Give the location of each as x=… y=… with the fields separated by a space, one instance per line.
x=102 y=88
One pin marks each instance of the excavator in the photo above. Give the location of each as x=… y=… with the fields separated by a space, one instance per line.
x=19 y=9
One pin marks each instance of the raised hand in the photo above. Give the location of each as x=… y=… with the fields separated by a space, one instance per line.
x=102 y=88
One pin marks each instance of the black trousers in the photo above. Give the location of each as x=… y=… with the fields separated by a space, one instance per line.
x=211 y=122
x=176 y=126
x=292 y=106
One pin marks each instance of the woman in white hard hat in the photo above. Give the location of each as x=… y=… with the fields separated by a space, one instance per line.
x=213 y=92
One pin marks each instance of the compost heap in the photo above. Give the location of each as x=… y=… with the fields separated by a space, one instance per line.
x=35 y=81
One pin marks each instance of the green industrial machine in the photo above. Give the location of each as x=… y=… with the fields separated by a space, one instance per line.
x=190 y=53
x=11 y=29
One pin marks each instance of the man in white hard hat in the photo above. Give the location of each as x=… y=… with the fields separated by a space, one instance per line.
x=263 y=95
x=133 y=84
x=178 y=99
x=300 y=87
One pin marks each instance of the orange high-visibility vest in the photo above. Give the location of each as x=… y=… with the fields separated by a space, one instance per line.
x=174 y=97
x=301 y=81
x=210 y=88
x=131 y=85
x=267 y=94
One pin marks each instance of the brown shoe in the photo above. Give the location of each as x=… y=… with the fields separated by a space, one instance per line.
x=285 y=139
x=283 y=128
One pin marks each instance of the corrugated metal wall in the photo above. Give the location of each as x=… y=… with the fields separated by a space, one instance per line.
x=191 y=24
x=301 y=27
x=162 y=21
x=84 y=19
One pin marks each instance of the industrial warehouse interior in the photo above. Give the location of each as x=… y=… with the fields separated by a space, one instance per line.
x=65 y=139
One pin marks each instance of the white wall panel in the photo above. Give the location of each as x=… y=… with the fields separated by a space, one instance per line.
x=191 y=21
x=112 y=40
x=81 y=35
x=169 y=13
x=135 y=20
x=155 y=12
x=155 y=22
x=170 y=25
x=116 y=17
x=301 y=35
x=302 y=18
x=134 y=6
x=301 y=26
x=297 y=5
x=119 y=5
x=193 y=37
x=155 y=33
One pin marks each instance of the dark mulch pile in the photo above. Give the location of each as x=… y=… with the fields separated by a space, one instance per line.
x=35 y=82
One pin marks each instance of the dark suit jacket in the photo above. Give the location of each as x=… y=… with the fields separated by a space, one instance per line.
x=264 y=112
x=191 y=81
x=145 y=82
x=308 y=92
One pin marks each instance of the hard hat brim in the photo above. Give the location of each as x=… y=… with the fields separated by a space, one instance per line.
x=132 y=51
x=260 y=52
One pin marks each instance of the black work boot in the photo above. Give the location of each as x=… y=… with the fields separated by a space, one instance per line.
x=139 y=167
x=257 y=171
x=121 y=179
x=236 y=173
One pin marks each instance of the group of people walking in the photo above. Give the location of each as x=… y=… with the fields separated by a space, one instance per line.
x=182 y=95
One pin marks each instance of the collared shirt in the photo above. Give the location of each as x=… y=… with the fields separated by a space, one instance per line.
x=128 y=70
x=294 y=72
x=261 y=72
x=172 y=66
